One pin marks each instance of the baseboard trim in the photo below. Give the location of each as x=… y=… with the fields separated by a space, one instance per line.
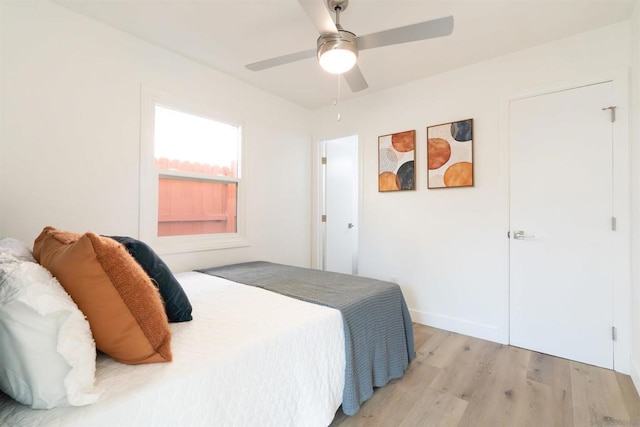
x=461 y=326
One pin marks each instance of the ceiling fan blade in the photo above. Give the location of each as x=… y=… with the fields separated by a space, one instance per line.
x=422 y=31
x=281 y=60
x=319 y=14
x=355 y=79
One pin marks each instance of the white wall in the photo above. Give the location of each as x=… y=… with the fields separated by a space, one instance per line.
x=70 y=135
x=635 y=192
x=448 y=248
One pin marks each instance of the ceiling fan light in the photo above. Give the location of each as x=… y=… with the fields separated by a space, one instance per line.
x=337 y=53
x=337 y=61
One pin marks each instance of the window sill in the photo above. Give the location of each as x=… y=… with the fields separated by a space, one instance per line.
x=182 y=244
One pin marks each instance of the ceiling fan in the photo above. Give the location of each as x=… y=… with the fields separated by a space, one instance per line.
x=337 y=49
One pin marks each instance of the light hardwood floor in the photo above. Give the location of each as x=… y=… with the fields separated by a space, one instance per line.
x=456 y=380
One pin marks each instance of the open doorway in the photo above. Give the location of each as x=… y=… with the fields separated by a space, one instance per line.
x=340 y=205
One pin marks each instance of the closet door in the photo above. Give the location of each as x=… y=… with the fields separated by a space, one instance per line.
x=561 y=247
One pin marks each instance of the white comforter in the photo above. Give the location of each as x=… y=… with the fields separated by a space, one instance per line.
x=249 y=358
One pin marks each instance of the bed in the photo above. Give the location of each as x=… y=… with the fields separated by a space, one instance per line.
x=253 y=355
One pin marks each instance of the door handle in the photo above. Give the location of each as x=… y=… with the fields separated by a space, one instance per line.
x=521 y=235
x=350 y=225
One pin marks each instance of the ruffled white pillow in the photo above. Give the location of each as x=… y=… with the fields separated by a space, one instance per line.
x=16 y=248
x=47 y=352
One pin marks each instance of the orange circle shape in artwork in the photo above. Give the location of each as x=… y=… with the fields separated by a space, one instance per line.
x=388 y=181
x=404 y=141
x=438 y=152
x=459 y=175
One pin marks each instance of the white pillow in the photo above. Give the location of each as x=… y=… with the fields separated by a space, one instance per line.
x=47 y=353
x=16 y=248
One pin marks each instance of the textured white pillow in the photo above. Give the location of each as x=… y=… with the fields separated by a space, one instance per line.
x=16 y=248
x=47 y=352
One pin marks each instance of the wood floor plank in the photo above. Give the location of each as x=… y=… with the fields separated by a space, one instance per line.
x=460 y=381
x=469 y=370
x=597 y=398
x=541 y=368
x=535 y=407
x=421 y=334
x=431 y=346
x=630 y=397
x=496 y=400
x=554 y=372
x=435 y=407
x=448 y=350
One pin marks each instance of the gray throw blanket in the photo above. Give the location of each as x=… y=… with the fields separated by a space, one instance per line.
x=378 y=332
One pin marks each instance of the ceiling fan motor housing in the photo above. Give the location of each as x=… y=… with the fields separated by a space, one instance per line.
x=342 y=40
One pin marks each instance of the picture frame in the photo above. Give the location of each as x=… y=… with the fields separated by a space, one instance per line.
x=450 y=154
x=396 y=161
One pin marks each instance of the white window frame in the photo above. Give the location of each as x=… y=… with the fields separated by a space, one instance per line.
x=149 y=175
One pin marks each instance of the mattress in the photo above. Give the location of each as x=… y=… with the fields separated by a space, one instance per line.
x=250 y=357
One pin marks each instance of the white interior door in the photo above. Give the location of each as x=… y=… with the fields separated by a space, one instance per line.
x=341 y=205
x=561 y=247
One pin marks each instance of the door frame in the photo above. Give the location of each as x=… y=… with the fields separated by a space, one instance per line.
x=621 y=200
x=318 y=198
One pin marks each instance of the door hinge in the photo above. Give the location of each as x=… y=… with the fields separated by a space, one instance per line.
x=613 y=223
x=614 y=333
x=324 y=160
x=612 y=109
x=323 y=218
x=509 y=234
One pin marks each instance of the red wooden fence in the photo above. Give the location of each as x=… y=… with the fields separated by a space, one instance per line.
x=188 y=206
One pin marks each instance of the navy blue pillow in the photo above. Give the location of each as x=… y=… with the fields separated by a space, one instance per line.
x=176 y=304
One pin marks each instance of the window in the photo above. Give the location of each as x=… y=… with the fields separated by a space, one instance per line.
x=191 y=185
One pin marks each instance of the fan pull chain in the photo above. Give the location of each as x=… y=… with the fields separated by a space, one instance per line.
x=337 y=99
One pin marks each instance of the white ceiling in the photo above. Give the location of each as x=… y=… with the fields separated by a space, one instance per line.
x=228 y=34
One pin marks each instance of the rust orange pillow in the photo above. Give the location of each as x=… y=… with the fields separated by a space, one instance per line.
x=123 y=307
